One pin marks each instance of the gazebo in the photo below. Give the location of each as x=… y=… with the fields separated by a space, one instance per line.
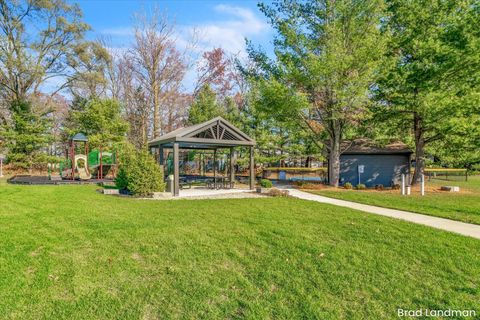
x=214 y=134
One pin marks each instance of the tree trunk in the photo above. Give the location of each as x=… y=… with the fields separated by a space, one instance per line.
x=419 y=148
x=156 y=113
x=334 y=161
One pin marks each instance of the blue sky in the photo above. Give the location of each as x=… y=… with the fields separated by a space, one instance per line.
x=218 y=23
x=224 y=24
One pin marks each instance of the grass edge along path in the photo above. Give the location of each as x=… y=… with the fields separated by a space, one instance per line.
x=464 y=206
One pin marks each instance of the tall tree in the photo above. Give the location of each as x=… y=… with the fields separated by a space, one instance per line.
x=27 y=137
x=279 y=139
x=158 y=65
x=125 y=86
x=55 y=108
x=431 y=82
x=217 y=70
x=176 y=110
x=204 y=107
x=327 y=53
x=90 y=64
x=37 y=39
x=100 y=120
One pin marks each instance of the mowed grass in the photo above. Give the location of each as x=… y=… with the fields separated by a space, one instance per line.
x=464 y=206
x=70 y=253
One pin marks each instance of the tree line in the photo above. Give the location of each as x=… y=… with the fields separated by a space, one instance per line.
x=384 y=69
x=381 y=69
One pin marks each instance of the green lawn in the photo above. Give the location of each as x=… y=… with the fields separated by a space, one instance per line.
x=68 y=252
x=457 y=206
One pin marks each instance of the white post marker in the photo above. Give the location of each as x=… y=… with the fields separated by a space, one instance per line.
x=403 y=184
x=422 y=185
x=409 y=189
x=361 y=169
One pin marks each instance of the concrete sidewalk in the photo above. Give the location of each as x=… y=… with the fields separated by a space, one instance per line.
x=462 y=228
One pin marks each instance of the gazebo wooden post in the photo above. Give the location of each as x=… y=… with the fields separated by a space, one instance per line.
x=232 y=167
x=86 y=157
x=101 y=163
x=72 y=155
x=160 y=156
x=252 y=170
x=176 y=174
x=215 y=168
x=161 y=160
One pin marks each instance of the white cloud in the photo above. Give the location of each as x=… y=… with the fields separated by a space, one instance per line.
x=249 y=23
x=230 y=33
x=227 y=29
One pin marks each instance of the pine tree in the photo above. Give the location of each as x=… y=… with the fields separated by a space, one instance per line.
x=26 y=138
x=205 y=106
x=429 y=87
x=326 y=56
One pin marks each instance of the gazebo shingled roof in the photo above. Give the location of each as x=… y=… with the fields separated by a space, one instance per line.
x=215 y=133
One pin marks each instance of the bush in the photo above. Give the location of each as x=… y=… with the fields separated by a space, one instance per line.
x=396 y=186
x=300 y=183
x=312 y=186
x=138 y=172
x=379 y=187
x=348 y=185
x=265 y=183
x=360 y=186
x=274 y=192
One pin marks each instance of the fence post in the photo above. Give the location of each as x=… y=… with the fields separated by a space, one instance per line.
x=403 y=184
x=422 y=185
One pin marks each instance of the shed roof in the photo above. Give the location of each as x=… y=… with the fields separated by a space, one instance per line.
x=215 y=133
x=79 y=137
x=367 y=146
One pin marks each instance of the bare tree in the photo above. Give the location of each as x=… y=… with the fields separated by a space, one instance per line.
x=135 y=99
x=215 y=68
x=56 y=108
x=158 y=64
x=176 y=112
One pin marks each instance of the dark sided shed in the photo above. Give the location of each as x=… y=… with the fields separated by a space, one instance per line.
x=365 y=162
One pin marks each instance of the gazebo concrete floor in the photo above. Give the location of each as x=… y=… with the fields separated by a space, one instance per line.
x=205 y=193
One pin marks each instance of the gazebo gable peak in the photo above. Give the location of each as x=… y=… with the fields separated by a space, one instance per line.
x=215 y=129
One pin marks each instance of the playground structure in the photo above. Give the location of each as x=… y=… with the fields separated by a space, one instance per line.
x=97 y=164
